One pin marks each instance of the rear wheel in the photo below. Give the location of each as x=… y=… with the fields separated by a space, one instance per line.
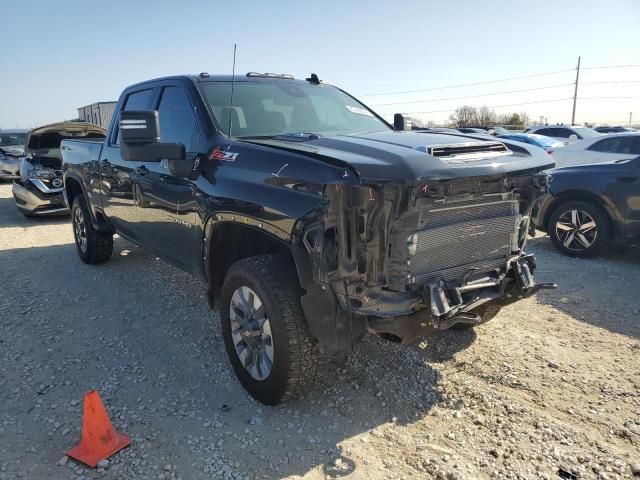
x=93 y=246
x=579 y=229
x=265 y=332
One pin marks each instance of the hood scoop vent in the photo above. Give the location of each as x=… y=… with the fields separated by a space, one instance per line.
x=467 y=152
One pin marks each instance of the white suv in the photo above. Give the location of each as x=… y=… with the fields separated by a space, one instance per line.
x=603 y=148
x=568 y=134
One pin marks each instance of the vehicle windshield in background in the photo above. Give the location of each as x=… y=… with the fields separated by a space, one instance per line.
x=265 y=109
x=11 y=139
x=543 y=140
x=586 y=132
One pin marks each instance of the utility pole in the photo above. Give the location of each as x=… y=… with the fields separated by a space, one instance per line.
x=630 y=115
x=575 y=94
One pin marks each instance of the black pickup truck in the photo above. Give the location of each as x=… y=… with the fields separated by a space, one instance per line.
x=310 y=219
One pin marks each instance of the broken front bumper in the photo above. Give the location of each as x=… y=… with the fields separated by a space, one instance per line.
x=34 y=199
x=450 y=305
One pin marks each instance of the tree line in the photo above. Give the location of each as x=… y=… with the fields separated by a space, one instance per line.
x=467 y=116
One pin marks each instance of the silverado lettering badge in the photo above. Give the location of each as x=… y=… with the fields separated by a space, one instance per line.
x=225 y=156
x=178 y=221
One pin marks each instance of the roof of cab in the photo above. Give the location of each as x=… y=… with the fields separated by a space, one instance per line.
x=205 y=77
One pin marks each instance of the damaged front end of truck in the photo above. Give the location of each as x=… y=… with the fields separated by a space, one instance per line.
x=404 y=260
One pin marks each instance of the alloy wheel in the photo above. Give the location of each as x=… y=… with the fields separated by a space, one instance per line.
x=251 y=332
x=80 y=230
x=576 y=230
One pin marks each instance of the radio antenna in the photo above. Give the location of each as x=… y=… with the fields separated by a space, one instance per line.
x=233 y=79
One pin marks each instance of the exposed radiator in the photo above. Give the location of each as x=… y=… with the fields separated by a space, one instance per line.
x=453 y=239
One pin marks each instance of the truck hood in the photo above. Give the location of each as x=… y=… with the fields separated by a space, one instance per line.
x=408 y=157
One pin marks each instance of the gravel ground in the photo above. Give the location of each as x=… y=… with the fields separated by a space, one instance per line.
x=548 y=389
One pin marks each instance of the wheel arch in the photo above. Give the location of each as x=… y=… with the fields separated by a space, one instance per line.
x=227 y=241
x=73 y=186
x=611 y=213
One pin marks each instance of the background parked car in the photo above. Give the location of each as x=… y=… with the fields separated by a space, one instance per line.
x=559 y=132
x=11 y=152
x=615 y=129
x=603 y=148
x=38 y=189
x=590 y=207
x=547 y=143
x=492 y=129
x=472 y=130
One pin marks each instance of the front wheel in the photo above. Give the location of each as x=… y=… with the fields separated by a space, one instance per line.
x=579 y=229
x=93 y=246
x=265 y=331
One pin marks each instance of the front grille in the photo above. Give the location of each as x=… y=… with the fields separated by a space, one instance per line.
x=452 y=240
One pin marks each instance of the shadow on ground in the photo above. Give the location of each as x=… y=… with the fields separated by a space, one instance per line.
x=10 y=216
x=140 y=331
x=586 y=285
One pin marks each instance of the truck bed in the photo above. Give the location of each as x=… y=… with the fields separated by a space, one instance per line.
x=78 y=151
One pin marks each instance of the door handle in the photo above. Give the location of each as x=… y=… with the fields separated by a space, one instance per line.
x=142 y=170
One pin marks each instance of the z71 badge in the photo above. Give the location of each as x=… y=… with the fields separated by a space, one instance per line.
x=223 y=155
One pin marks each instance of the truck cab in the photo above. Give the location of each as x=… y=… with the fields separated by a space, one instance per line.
x=308 y=217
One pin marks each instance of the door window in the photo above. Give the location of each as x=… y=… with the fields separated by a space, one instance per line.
x=177 y=121
x=136 y=101
x=622 y=145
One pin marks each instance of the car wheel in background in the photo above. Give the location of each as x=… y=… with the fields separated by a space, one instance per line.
x=93 y=246
x=579 y=229
x=265 y=331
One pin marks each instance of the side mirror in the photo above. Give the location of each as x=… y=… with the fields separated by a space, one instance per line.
x=401 y=123
x=573 y=136
x=140 y=138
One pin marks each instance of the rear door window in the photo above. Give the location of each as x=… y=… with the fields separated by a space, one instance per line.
x=621 y=145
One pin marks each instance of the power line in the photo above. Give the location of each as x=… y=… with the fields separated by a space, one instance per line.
x=609 y=66
x=607 y=98
x=528 y=103
x=472 y=96
x=496 y=81
x=468 y=84
x=613 y=81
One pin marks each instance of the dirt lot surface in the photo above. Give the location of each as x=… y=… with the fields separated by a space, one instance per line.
x=548 y=389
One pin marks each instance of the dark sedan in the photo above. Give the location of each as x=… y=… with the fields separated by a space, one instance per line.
x=590 y=207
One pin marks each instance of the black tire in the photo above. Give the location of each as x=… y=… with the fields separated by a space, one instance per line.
x=486 y=313
x=297 y=364
x=570 y=232
x=93 y=247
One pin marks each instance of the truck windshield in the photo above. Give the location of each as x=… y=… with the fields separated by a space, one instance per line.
x=8 y=139
x=266 y=109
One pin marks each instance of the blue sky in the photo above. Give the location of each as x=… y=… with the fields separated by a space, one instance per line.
x=57 y=56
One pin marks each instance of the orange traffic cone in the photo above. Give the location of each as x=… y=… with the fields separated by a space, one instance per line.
x=99 y=439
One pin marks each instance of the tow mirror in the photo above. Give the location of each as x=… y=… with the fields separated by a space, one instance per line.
x=140 y=138
x=400 y=122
